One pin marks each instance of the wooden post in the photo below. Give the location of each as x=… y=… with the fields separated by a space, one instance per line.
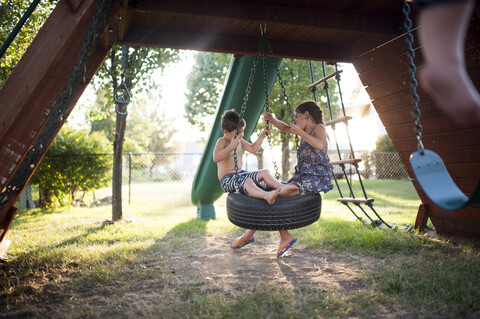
x=422 y=217
x=6 y=221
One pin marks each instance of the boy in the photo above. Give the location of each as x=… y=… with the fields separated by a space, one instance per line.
x=251 y=183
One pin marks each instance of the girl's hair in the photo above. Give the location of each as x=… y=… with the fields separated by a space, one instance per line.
x=230 y=121
x=313 y=109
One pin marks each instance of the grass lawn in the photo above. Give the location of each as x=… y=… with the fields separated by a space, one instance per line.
x=163 y=263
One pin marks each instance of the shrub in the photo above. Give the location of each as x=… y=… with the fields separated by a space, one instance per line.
x=75 y=162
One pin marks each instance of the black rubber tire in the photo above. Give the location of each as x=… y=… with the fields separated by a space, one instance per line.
x=286 y=213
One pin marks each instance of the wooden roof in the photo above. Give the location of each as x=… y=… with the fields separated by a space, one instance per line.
x=306 y=29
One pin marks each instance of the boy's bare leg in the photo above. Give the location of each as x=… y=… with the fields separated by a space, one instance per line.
x=444 y=75
x=245 y=237
x=285 y=189
x=285 y=238
x=257 y=192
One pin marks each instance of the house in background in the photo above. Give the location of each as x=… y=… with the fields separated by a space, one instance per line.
x=365 y=127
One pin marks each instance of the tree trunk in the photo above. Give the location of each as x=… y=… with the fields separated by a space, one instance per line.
x=117 y=168
x=285 y=156
x=259 y=156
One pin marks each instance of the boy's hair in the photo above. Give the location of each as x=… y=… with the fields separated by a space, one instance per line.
x=230 y=120
x=313 y=109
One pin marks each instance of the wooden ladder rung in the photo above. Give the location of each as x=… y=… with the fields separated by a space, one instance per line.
x=343 y=119
x=325 y=79
x=346 y=161
x=355 y=200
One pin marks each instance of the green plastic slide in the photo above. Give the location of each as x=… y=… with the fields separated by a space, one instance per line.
x=206 y=187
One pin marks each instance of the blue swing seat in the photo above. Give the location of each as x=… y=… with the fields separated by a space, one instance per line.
x=436 y=182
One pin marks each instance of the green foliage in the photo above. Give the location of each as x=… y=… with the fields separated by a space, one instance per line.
x=147 y=129
x=72 y=165
x=204 y=86
x=10 y=13
x=384 y=144
x=386 y=168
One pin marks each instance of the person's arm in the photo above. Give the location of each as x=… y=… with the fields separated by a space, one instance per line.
x=277 y=123
x=318 y=138
x=253 y=148
x=222 y=151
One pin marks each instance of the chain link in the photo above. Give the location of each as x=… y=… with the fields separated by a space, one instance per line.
x=248 y=90
x=291 y=113
x=267 y=105
x=57 y=116
x=122 y=94
x=412 y=70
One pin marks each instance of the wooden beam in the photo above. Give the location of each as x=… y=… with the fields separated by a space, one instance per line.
x=270 y=13
x=6 y=221
x=139 y=36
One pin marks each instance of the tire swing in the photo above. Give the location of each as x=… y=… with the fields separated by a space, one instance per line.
x=287 y=212
x=429 y=169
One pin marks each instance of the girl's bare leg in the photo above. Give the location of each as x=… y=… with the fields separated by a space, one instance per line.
x=285 y=189
x=285 y=238
x=442 y=33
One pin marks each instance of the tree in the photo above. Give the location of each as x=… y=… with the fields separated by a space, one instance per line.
x=384 y=144
x=204 y=89
x=10 y=13
x=75 y=162
x=204 y=86
x=137 y=65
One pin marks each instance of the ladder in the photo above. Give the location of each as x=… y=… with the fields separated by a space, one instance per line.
x=361 y=200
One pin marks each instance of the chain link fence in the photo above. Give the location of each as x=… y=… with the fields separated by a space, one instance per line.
x=152 y=168
x=160 y=167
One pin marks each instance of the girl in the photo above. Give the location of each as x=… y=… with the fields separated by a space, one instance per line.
x=314 y=164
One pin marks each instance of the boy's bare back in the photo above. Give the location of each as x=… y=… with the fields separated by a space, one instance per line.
x=227 y=164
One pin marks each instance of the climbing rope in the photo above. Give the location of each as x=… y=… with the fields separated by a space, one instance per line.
x=57 y=116
x=347 y=179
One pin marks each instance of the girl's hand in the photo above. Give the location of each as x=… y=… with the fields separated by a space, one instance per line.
x=295 y=129
x=268 y=116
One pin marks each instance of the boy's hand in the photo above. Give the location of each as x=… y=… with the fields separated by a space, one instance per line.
x=236 y=141
x=265 y=132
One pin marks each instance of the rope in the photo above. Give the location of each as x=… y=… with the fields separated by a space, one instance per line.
x=58 y=113
x=349 y=182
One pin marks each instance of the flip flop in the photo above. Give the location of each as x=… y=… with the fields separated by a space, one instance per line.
x=283 y=250
x=241 y=243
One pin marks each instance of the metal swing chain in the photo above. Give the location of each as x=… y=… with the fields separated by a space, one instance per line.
x=248 y=90
x=267 y=102
x=292 y=116
x=122 y=94
x=412 y=70
x=60 y=109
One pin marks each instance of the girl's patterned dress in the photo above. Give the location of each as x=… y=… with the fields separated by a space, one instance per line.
x=315 y=169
